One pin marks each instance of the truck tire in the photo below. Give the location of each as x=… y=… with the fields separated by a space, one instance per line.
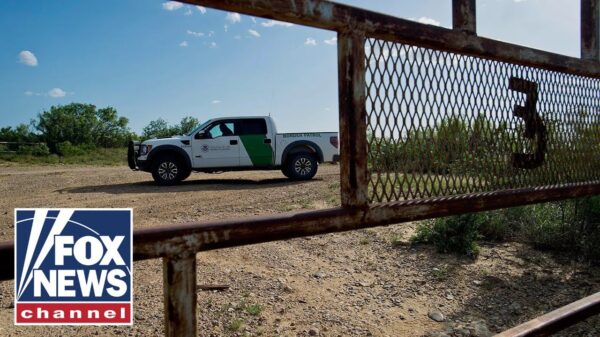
x=285 y=169
x=302 y=166
x=186 y=174
x=168 y=170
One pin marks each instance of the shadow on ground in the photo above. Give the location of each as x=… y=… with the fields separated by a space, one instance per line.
x=537 y=283
x=185 y=186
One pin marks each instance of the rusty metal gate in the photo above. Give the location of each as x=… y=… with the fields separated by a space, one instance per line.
x=433 y=122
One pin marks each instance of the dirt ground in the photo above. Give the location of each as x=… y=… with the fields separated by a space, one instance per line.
x=362 y=283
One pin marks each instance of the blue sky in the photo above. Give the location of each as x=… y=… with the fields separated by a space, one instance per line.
x=154 y=59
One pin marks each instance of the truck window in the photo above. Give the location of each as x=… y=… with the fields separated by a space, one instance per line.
x=253 y=127
x=222 y=129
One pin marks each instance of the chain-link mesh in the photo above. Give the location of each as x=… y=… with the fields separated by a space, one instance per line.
x=442 y=124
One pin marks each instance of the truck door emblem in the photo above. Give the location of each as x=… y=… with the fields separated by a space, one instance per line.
x=205 y=148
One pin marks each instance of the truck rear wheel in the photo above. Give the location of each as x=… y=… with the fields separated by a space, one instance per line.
x=168 y=170
x=303 y=166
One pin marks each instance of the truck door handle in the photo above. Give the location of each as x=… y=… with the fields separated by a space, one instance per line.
x=233 y=142
x=267 y=141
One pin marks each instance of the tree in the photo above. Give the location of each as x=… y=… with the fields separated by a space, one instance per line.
x=111 y=130
x=159 y=128
x=187 y=124
x=21 y=133
x=82 y=124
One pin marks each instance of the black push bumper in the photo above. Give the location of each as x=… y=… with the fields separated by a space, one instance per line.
x=132 y=154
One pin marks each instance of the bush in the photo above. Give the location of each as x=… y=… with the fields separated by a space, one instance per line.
x=565 y=226
x=22 y=133
x=37 y=150
x=457 y=234
x=66 y=149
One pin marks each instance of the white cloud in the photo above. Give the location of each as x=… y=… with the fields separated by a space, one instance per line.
x=211 y=33
x=183 y=44
x=426 y=20
x=201 y=9
x=519 y=1
x=272 y=23
x=188 y=12
x=171 y=5
x=28 y=58
x=233 y=17
x=57 y=93
x=237 y=37
x=213 y=45
x=331 y=41
x=226 y=28
x=310 y=41
x=216 y=101
x=28 y=93
x=253 y=33
x=196 y=34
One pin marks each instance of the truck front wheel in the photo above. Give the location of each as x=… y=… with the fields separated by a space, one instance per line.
x=303 y=166
x=168 y=170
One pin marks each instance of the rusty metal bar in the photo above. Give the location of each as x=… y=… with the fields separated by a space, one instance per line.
x=7 y=256
x=590 y=30
x=174 y=240
x=557 y=320
x=179 y=285
x=353 y=116
x=464 y=16
x=333 y=16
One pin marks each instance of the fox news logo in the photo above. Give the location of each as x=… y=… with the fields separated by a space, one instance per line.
x=73 y=266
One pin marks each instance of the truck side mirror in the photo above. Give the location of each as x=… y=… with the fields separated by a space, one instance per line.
x=199 y=135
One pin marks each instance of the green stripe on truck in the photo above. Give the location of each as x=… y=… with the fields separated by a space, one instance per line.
x=261 y=154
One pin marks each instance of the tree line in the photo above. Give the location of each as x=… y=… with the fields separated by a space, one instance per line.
x=80 y=127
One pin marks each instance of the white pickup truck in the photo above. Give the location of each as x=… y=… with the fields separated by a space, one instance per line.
x=230 y=144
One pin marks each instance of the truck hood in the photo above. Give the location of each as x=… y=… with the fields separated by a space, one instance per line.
x=175 y=140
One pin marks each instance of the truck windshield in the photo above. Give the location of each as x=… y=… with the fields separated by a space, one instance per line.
x=198 y=128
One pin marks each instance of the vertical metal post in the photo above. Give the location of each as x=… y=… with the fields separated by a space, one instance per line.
x=353 y=118
x=179 y=282
x=590 y=29
x=464 y=16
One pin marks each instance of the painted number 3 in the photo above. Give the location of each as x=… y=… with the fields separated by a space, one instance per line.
x=534 y=125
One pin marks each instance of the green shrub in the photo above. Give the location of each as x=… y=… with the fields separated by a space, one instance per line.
x=566 y=226
x=66 y=149
x=34 y=150
x=75 y=155
x=253 y=309
x=235 y=325
x=456 y=234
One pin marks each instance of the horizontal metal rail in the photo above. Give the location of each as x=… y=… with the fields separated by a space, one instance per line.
x=23 y=143
x=558 y=319
x=182 y=240
x=344 y=18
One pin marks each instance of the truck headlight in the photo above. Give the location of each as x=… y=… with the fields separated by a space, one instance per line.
x=144 y=149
